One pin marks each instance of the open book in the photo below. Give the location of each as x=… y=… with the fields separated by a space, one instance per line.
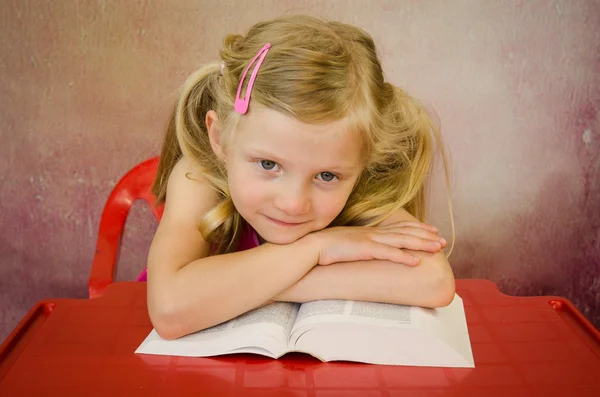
x=332 y=330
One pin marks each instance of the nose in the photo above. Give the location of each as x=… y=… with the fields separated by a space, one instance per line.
x=293 y=200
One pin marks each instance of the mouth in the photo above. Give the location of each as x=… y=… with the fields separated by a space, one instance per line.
x=285 y=224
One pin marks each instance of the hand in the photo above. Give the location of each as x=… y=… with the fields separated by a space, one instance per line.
x=355 y=243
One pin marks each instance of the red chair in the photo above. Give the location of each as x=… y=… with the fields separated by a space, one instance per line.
x=135 y=185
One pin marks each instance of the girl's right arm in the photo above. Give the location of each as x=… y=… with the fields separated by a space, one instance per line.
x=188 y=290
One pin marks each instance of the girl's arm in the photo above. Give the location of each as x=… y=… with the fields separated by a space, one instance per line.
x=189 y=290
x=430 y=284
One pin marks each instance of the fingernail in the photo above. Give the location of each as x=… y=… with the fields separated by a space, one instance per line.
x=415 y=259
x=437 y=244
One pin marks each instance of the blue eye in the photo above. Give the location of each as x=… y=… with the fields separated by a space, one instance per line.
x=267 y=164
x=327 y=176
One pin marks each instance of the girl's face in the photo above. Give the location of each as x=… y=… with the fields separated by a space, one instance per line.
x=287 y=178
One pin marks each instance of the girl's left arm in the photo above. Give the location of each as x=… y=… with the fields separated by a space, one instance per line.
x=430 y=284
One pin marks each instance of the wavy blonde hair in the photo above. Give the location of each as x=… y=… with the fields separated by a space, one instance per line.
x=316 y=71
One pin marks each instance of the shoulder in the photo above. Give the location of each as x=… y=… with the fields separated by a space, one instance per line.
x=178 y=240
x=187 y=170
x=189 y=193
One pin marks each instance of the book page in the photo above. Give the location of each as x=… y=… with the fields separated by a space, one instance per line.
x=382 y=333
x=354 y=312
x=383 y=311
x=266 y=328
x=449 y=325
x=281 y=314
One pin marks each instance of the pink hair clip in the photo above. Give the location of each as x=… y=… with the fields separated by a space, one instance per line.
x=241 y=105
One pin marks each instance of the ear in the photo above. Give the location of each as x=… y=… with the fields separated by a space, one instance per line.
x=214 y=133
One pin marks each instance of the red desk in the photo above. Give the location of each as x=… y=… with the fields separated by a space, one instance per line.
x=522 y=347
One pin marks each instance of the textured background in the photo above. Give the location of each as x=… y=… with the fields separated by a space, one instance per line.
x=85 y=88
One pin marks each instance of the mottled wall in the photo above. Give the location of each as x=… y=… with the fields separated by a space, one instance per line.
x=85 y=88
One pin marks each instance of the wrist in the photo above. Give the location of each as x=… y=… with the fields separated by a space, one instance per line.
x=311 y=245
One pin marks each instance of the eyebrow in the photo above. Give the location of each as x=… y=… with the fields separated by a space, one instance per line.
x=261 y=153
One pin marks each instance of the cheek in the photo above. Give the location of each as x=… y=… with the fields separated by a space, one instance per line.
x=245 y=191
x=330 y=205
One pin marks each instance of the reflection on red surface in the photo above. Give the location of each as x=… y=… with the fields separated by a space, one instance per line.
x=522 y=346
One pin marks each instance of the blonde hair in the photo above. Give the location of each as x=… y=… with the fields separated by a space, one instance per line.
x=316 y=71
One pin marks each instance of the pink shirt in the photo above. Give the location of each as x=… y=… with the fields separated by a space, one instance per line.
x=248 y=240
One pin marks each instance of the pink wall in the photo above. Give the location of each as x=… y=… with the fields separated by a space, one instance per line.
x=85 y=88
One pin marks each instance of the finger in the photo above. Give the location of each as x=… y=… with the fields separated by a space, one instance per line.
x=389 y=253
x=408 y=241
x=414 y=231
x=366 y=249
x=423 y=234
x=420 y=225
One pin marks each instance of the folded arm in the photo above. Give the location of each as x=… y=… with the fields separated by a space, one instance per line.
x=430 y=284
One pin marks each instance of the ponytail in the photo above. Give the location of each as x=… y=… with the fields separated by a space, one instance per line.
x=187 y=135
x=169 y=155
x=397 y=174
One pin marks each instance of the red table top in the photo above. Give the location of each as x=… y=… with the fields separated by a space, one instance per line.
x=523 y=346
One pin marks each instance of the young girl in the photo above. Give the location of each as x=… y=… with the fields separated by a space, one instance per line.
x=291 y=171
